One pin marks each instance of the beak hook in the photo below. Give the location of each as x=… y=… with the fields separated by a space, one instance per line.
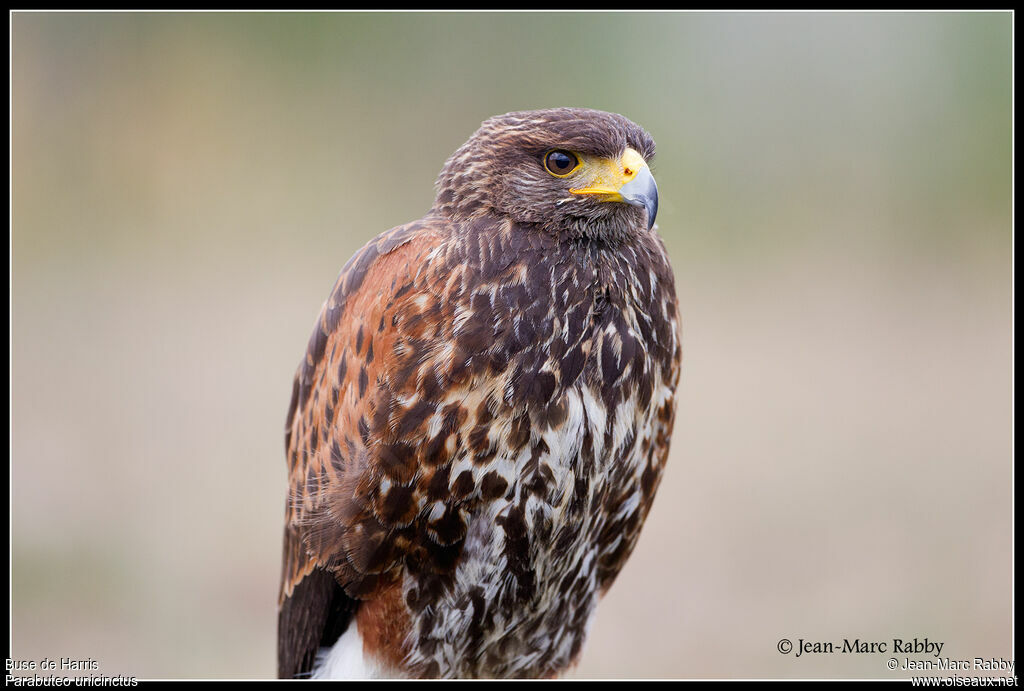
x=642 y=191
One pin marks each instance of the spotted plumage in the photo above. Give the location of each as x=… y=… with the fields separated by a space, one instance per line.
x=482 y=417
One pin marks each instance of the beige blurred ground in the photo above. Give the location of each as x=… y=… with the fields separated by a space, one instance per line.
x=836 y=201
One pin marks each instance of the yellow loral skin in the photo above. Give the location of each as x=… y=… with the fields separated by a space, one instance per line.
x=605 y=177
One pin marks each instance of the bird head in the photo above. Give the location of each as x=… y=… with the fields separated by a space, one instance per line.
x=567 y=170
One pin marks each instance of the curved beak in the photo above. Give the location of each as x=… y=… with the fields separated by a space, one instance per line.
x=628 y=181
x=642 y=191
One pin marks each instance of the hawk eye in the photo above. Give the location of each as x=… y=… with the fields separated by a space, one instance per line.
x=560 y=163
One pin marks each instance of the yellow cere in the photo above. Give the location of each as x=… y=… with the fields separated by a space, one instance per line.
x=606 y=177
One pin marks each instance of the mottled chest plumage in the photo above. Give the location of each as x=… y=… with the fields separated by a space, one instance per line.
x=559 y=465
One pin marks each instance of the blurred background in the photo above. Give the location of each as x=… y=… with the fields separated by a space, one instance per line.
x=836 y=201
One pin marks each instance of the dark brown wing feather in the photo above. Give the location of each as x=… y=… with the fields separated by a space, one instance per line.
x=315 y=615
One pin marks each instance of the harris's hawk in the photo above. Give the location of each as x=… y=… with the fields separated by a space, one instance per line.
x=481 y=420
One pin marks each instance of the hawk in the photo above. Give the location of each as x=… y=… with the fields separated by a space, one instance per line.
x=482 y=417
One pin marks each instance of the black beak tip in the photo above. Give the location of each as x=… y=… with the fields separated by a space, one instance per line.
x=651 y=204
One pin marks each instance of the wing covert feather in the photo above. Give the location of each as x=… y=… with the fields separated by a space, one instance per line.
x=335 y=547
x=334 y=402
